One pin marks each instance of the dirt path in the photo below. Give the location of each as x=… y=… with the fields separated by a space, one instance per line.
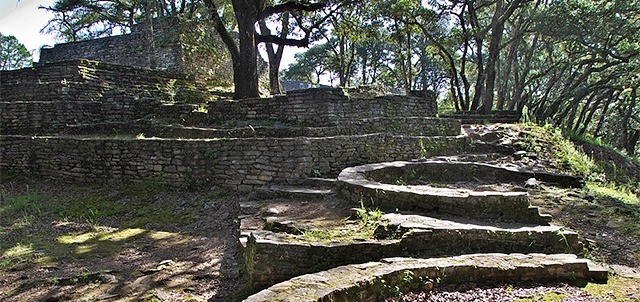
x=91 y=243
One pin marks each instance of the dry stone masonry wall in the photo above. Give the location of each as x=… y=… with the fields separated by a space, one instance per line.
x=374 y=281
x=321 y=106
x=167 y=43
x=43 y=100
x=39 y=104
x=243 y=164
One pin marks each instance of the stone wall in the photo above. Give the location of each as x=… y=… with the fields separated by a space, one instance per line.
x=375 y=281
x=273 y=257
x=413 y=126
x=243 y=164
x=44 y=99
x=146 y=46
x=321 y=106
x=164 y=43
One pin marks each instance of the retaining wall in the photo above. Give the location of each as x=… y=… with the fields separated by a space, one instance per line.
x=166 y=43
x=243 y=164
x=273 y=258
x=322 y=106
x=43 y=100
x=375 y=281
x=415 y=126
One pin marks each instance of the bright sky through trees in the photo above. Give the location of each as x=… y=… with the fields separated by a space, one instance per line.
x=24 y=20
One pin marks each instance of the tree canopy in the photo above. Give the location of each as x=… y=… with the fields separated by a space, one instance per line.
x=573 y=63
x=13 y=54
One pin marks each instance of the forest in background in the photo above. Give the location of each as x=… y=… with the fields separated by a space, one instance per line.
x=570 y=63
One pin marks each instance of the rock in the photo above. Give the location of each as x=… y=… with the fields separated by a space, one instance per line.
x=108 y=278
x=519 y=154
x=531 y=183
x=491 y=137
x=273 y=211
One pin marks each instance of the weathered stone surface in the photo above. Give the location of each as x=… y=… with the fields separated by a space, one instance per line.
x=384 y=185
x=372 y=281
x=276 y=257
x=165 y=43
x=234 y=163
x=46 y=99
x=326 y=106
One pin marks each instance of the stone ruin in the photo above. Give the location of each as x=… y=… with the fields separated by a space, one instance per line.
x=168 y=43
x=89 y=121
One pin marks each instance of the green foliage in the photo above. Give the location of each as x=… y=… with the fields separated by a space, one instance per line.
x=77 y=20
x=564 y=152
x=610 y=190
x=309 y=65
x=13 y=54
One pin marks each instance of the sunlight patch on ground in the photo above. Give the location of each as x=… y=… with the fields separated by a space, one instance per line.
x=609 y=190
x=19 y=250
x=616 y=289
x=85 y=248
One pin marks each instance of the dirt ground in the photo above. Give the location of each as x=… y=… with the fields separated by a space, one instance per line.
x=115 y=255
x=149 y=242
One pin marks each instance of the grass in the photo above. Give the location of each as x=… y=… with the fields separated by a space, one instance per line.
x=39 y=227
x=367 y=221
x=565 y=154
x=611 y=190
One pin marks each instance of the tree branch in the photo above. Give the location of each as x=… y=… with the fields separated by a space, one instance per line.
x=304 y=42
x=218 y=24
x=291 y=6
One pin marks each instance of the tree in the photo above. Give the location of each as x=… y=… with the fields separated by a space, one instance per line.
x=13 y=54
x=77 y=20
x=247 y=15
x=310 y=65
x=274 y=52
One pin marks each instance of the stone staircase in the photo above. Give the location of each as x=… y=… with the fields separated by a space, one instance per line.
x=305 y=160
x=439 y=215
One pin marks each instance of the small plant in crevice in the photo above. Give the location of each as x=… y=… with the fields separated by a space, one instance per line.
x=422 y=152
x=400 y=181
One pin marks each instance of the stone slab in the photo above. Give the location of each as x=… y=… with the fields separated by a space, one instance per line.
x=372 y=281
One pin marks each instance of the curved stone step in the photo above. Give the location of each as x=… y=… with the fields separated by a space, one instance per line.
x=287 y=191
x=372 y=281
x=447 y=187
x=276 y=257
x=319 y=182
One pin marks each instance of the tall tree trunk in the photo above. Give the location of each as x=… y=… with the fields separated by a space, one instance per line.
x=605 y=109
x=275 y=56
x=584 y=119
x=629 y=140
x=245 y=71
x=497 y=28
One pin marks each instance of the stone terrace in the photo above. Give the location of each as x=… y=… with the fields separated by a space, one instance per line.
x=83 y=121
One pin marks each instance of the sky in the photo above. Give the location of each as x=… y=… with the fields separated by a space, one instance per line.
x=24 y=20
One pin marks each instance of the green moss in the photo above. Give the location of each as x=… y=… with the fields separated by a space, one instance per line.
x=363 y=228
x=616 y=289
x=547 y=297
